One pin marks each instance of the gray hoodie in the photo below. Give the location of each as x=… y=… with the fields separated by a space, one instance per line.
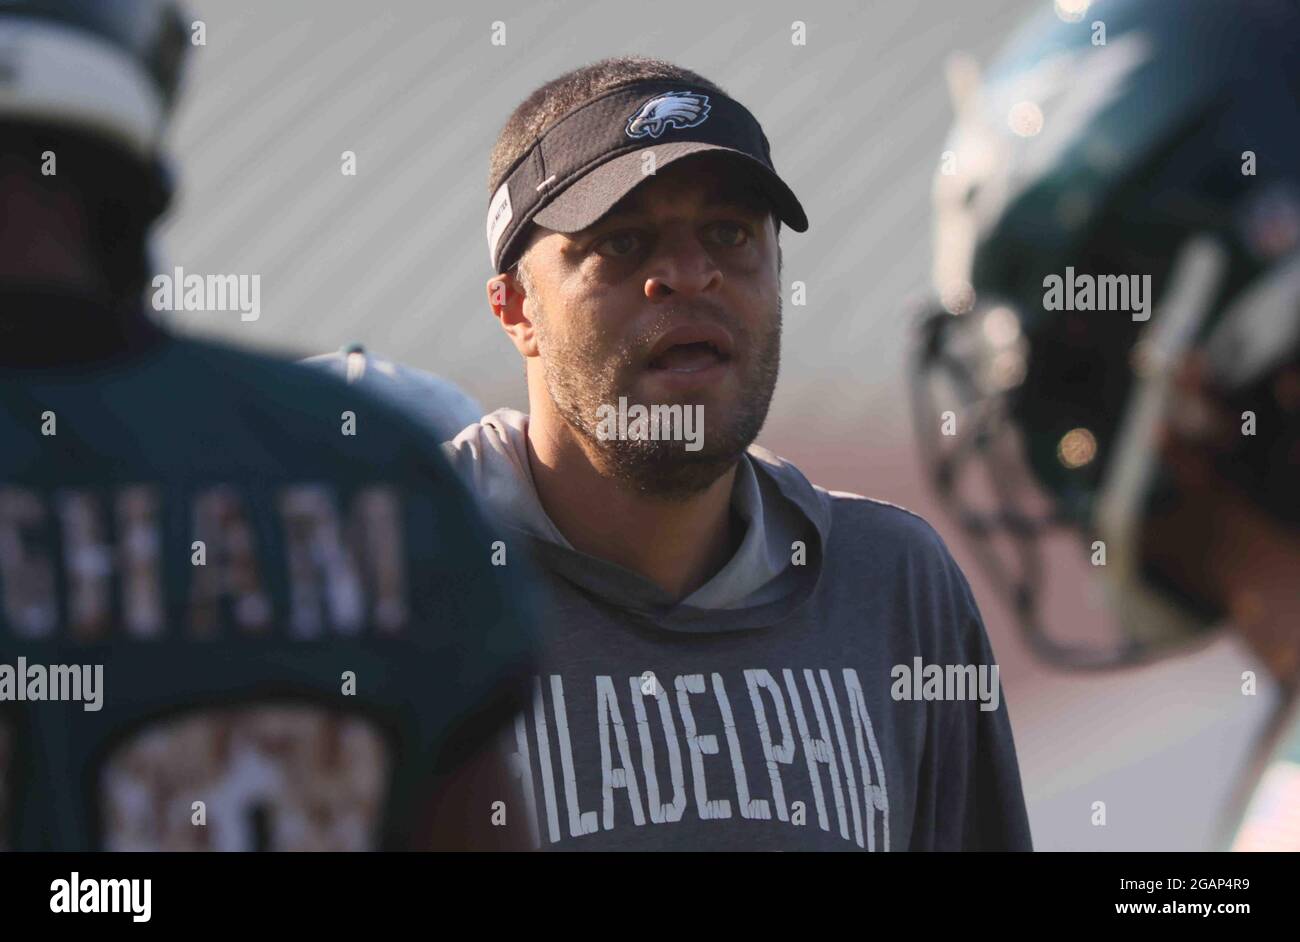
x=832 y=687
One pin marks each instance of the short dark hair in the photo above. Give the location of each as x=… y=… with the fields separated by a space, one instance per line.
x=552 y=101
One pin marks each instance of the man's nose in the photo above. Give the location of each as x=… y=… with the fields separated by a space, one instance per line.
x=681 y=266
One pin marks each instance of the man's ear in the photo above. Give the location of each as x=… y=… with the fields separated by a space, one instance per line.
x=506 y=298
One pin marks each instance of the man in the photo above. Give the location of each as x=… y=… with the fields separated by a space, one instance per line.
x=730 y=649
x=1165 y=431
x=238 y=603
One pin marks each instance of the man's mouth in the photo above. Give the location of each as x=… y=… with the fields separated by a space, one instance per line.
x=688 y=358
x=691 y=349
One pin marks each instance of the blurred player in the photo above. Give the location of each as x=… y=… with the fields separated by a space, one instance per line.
x=441 y=406
x=1117 y=334
x=242 y=605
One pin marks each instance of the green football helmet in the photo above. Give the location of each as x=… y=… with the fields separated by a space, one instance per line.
x=1121 y=187
x=99 y=79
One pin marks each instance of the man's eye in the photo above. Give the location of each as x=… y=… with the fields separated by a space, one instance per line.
x=619 y=244
x=731 y=234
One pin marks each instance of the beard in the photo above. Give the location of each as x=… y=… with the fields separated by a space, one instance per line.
x=581 y=377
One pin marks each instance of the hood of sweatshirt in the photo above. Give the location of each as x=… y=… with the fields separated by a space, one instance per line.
x=773 y=571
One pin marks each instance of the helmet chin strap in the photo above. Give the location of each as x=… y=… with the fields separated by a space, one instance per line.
x=1148 y=617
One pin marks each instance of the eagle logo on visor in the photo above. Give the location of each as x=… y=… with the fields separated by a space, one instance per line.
x=673 y=109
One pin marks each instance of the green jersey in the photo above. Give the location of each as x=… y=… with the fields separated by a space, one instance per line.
x=242 y=605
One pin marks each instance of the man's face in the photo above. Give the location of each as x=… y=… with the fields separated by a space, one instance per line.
x=44 y=234
x=671 y=298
